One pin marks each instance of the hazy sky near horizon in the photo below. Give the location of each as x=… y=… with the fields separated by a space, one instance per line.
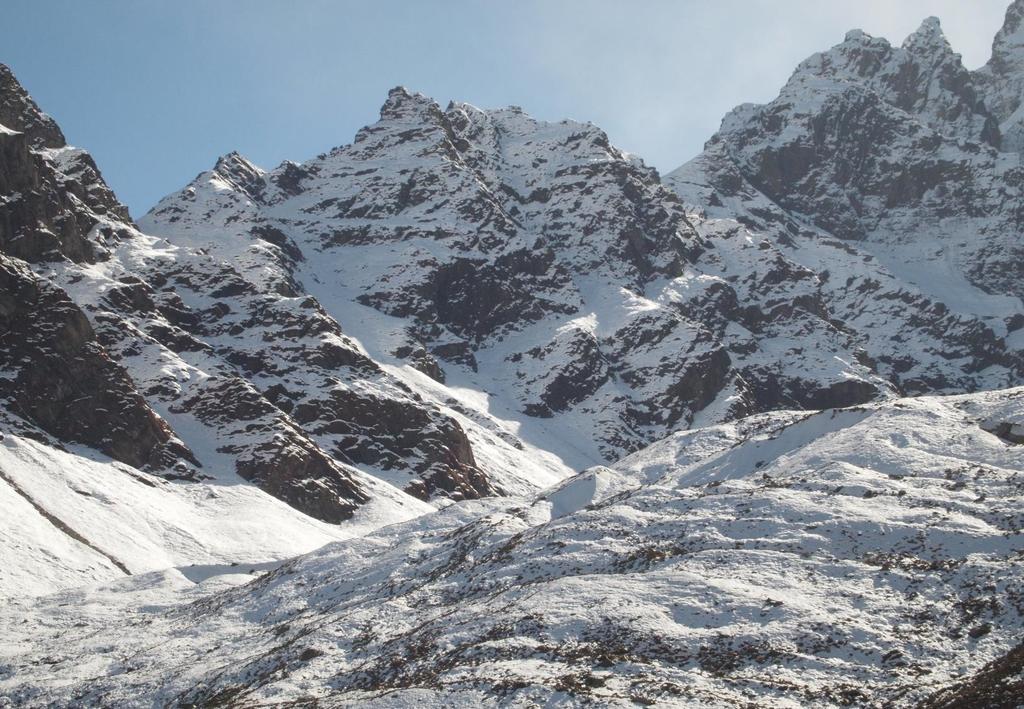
x=156 y=90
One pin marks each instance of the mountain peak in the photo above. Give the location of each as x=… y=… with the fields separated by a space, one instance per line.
x=19 y=113
x=403 y=104
x=230 y=162
x=928 y=39
x=930 y=26
x=240 y=172
x=1003 y=77
x=1008 y=45
x=1014 y=21
x=400 y=92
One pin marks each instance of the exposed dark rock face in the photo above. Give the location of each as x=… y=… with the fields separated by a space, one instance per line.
x=573 y=369
x=62 y=380
x=281 y=459
x=398 y=435
x=37 y=219
x=46 y=184
x=20 y=113
x=1012 y=433
x=998 y=685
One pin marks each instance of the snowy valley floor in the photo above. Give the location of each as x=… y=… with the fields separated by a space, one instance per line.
x=867 y=556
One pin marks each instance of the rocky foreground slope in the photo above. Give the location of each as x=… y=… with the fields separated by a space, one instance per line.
x=865 y=556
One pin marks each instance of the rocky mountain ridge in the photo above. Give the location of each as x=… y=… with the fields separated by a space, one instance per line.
x=885 y=158
x=203 y=343
x=1001 y=81
x=517 y=376
x=464 y=225
x=309 y=327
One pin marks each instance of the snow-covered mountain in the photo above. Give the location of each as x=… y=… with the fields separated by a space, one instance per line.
x=1002 y=79
x=855 y=239
x=868 y=556
x=570 y=432
x=877 y=169
x=217 y=350
x=120 y=348
x=489 y=251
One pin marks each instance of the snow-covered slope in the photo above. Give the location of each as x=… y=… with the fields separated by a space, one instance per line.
x=75 y=519
x=866 y=556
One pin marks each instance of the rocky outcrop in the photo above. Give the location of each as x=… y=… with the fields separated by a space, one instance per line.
x=53 y=195
x=391 y=434
x=20 y=113
x=271 y=451
x=1000 y=683
x=37 y=219
x=60 y=378
x=1002 y=79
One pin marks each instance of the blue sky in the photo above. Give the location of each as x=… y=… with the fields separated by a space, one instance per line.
x=157 y=90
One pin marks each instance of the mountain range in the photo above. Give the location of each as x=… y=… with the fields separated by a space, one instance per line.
x=482 y=409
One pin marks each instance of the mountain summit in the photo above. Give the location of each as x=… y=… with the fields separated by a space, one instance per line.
x=1002 y=78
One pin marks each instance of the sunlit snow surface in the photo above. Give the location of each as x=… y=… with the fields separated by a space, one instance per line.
x=790 y=559
x=77 y=519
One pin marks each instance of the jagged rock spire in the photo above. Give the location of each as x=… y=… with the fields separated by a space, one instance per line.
x=928 y=44
x=403 y=104
x=1002 y=78
x=1008 y=46
x=241 y=172
x=928 y=34
x=20 y=113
